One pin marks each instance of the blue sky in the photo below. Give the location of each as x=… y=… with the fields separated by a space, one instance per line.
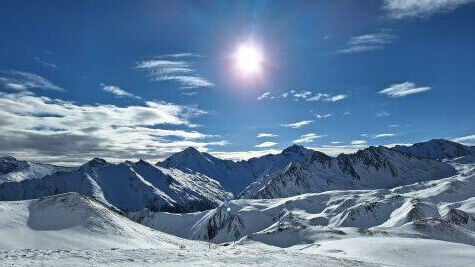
x=143 y=79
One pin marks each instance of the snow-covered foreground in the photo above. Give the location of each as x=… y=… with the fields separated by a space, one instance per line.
x=73 y=230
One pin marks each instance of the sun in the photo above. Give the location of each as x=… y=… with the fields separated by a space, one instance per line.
x=248 y=59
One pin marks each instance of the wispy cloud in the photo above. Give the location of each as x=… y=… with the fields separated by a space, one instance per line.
x=368 y=42
x=382 y=135
x=308 y=138
x=169 y=68
x=263 y=135
x=45 y=63
x=399 y=9
x=358 y=142
x=323 y=116
x=266 y=144
x=304 y=95
x=403 y=89
x=117 y=91
x=63 y=131
x=382 y=113
x=23 y=81
x=468 y=140
x=264 y=96
x=297 y=124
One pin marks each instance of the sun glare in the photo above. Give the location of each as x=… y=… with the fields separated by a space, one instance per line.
x=248 y=59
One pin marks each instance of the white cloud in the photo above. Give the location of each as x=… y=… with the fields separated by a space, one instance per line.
x=262 y=135
x=382 y=114
x=382 y=135
x=266 y=144
x=115 y=90
x=324 y=116
x=393 y=126
x=168 y=68
x=336 y=98
x=336 y=142
x=263 y=96
x=368 y=42
x=21 y=81
x=59 y=131
x=244 y=155
x=308 y=138
x=297 y=124
x=403 y=89
x=358 y=142
x=399 y=9
x=364 y=135
x=468 y=140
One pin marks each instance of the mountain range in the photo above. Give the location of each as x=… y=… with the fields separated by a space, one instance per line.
x=191 y=181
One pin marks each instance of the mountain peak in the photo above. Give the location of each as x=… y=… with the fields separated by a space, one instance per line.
x=294 y=149
x=95 y=162
x=436 y=149
x=8 y=158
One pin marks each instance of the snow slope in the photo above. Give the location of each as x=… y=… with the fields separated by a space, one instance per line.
x=73 y=230
x=234 y=176
x=440 y=209
x=70 y=221
x=373 y=167
x=13 y=170
x=126 y=186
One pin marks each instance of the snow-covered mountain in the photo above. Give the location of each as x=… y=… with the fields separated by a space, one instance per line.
x=439 y=209
x=234 y=176
x=126 y=186
x=437 y=149
x=370 y=168
x=13 y=170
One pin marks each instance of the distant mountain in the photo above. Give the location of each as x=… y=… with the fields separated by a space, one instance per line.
x=373 y=167
x=125 y=186
x=437 y=149
x=13 y=170
x=412 y=210
x=234 y=176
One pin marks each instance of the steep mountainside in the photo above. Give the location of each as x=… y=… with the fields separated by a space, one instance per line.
x=234 y=176
x=13 y=170
x=371 y=168
x=126 y=186
x=437 y=149
x=440 y=209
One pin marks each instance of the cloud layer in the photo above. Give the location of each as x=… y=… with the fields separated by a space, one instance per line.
x=54 y=130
